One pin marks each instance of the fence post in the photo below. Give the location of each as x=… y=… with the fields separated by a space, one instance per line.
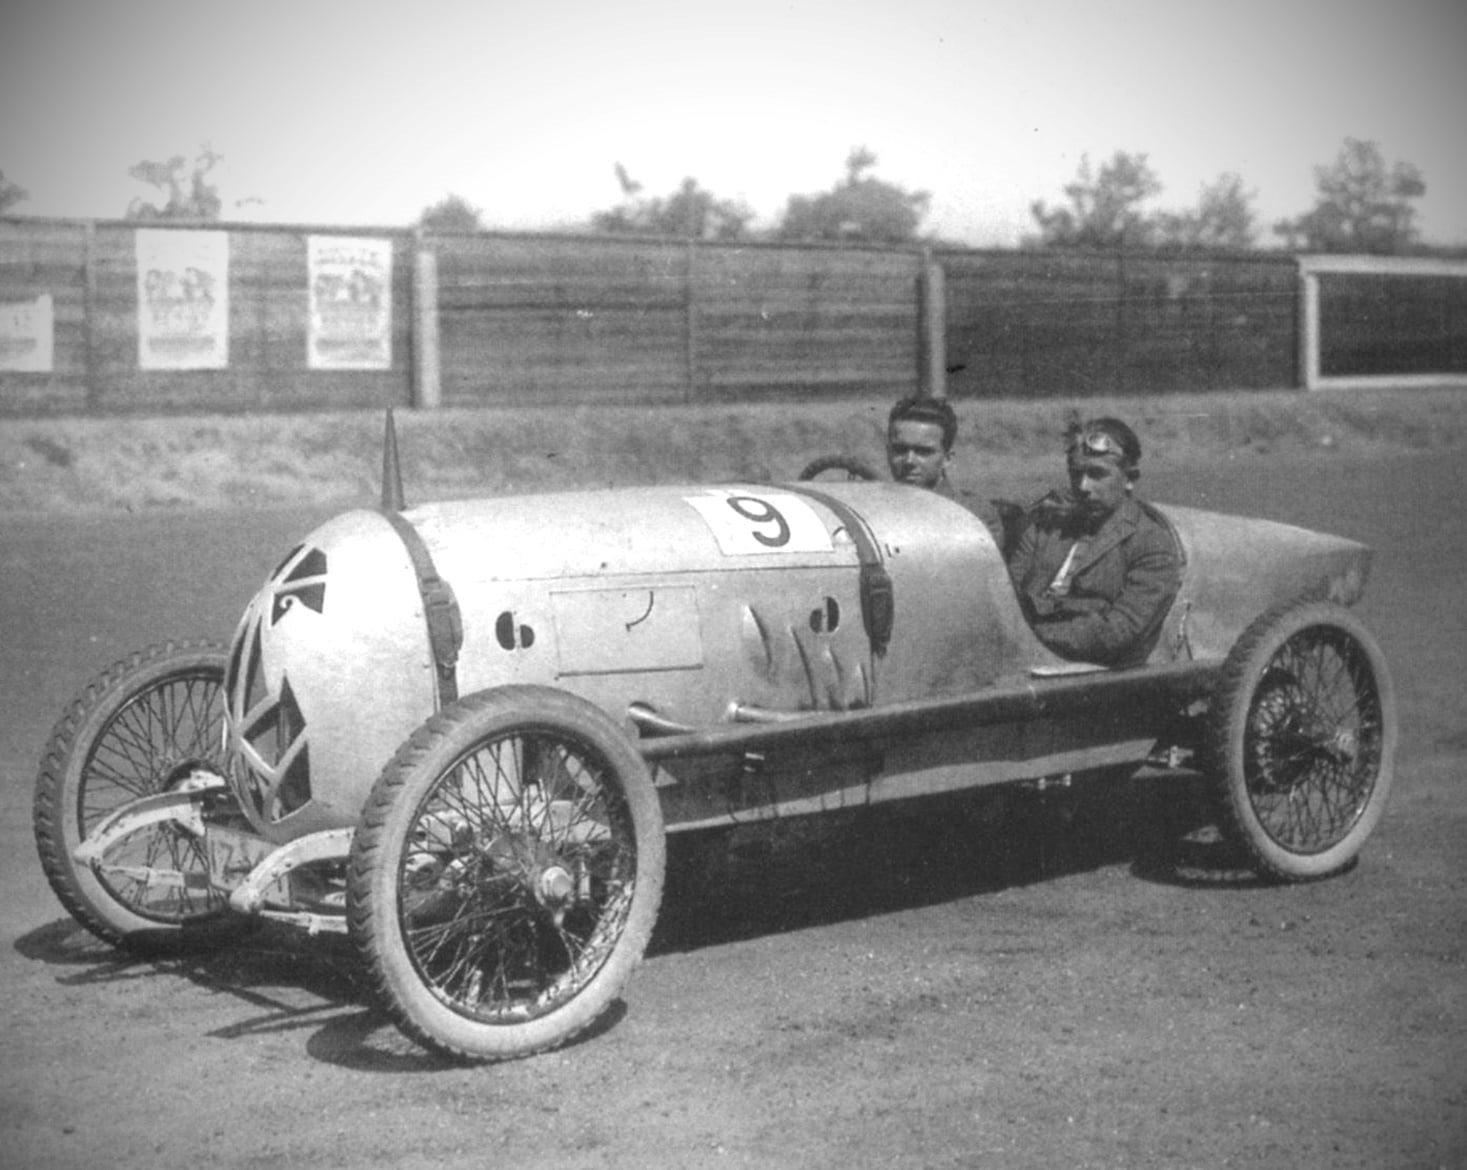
x=427 y=386
x=931 y=328
x=89 y=316
x=1122 y=350
x=690 y=321
x=1309 y=328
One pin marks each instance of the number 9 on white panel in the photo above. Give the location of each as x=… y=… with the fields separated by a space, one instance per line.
x=754 y=523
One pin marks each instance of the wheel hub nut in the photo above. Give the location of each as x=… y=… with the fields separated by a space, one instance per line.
x=555 y=886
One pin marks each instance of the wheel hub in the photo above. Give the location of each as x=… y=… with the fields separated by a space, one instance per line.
x=554 y=887
x=537 y=867
x=1344 y=745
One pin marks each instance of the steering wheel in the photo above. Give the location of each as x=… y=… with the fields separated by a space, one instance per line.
x=852 y=468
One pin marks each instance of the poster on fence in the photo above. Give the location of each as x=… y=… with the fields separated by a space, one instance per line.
x=351 y=303
x=183 y=300
x=26 y=331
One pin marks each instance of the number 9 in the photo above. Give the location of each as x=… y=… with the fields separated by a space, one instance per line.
x=758 y=511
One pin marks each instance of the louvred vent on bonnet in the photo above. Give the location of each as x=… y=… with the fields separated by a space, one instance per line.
x=272 y=771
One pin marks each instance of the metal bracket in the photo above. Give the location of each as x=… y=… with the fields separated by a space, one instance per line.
x=313 y=924
x=1047 y=783
x=1183 y=639
x=327 y=845
x=184 y=810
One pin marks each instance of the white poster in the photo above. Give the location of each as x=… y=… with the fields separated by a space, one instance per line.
x=183 y=300
x=26 y=332
x=351 y=303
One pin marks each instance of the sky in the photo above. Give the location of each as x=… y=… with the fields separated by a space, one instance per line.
x=367 y=112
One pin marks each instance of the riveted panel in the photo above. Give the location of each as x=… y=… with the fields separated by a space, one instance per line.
x=605 y=631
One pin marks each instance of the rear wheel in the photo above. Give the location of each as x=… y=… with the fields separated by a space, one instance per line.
x=141 y=728
x=1302 y=740
x=506 y=873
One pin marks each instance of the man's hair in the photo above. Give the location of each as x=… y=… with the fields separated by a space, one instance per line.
x=1095 y=432
x=920 y=408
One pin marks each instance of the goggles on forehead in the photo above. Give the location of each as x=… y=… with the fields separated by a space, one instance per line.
x=1097 y=444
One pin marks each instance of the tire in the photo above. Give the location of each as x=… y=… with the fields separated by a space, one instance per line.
x=1302 y=740
x=137 y=730
x=506 y=873
x=853 y=468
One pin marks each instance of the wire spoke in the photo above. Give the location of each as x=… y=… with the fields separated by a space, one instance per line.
x=477 y=923
x=1313 y=740
x=173 y=722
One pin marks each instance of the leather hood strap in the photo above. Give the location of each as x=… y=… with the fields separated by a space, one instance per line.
x=878 y=601
x=440 y=607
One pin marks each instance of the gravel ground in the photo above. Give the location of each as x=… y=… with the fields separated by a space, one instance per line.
x=1025 y=984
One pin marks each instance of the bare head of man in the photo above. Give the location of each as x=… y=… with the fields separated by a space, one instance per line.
x=919 y=441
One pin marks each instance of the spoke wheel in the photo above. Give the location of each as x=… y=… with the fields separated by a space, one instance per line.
x=506 y=873
x=139 y=729
x=1303 y=739
x=841 y=467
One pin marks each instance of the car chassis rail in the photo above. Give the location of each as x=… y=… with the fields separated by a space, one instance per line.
x=257 y=875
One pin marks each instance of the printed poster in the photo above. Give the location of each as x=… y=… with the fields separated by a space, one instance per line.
x=26 y=335
x=183 y=300
x=351 y=303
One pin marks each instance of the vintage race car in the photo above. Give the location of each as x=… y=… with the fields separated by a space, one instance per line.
x=460 y=732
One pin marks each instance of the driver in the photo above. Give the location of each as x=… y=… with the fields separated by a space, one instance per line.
x=1095 y=568
x=920 y=433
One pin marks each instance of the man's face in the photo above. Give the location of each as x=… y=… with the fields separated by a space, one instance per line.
x=915 y=453
x=1098 y=484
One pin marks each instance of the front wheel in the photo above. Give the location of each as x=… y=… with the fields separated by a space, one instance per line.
x=1302 y=740
x=141 y=728
x=506 y=873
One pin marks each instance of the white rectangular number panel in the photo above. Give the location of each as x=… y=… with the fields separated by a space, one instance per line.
x=750 y=523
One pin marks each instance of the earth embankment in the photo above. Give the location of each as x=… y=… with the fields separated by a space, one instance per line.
x=208 y=461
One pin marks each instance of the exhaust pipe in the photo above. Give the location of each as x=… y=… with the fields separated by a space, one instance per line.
x=1089 y=695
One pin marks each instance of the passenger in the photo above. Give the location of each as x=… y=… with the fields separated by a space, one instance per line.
x=1095 y=568
x=920 y=434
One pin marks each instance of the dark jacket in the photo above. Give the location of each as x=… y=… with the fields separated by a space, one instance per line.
x=1120 y=586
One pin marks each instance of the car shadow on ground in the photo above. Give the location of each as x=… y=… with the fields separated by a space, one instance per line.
x=722 y=888
x=759 y=879
x=284 y=979
x=290 y=977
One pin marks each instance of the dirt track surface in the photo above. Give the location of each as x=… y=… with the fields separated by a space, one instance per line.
x=1026 y=985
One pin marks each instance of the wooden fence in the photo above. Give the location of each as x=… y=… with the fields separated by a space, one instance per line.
x=489 y=319
x=1041 y=324
x=528 y=319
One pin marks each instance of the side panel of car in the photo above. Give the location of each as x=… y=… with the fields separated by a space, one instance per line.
x=1238 y=568
x=957 y=626
x=685 y=647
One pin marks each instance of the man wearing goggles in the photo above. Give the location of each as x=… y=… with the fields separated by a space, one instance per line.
x=1095 y=568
